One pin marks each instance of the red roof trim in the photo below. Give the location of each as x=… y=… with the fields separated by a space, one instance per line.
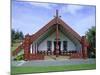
x=51 y=23
x=43 y=29
x=68 y=28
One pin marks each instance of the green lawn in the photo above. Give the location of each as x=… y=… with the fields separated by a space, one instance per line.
x=20 y=70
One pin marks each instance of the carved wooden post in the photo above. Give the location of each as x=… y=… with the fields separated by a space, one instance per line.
x=27 y=47
x=57 y=35
x=57 y=47
x=84 y=47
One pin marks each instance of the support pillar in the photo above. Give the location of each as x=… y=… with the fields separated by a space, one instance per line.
x=84 y=47
x=35 y=48
x=27 y=47
x=32 y=49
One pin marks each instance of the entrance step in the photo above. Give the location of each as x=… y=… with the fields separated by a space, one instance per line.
x=53 y=57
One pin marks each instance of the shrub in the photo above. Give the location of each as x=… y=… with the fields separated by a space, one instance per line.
x=19 y=57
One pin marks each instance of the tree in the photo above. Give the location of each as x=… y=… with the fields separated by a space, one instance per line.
x=91 y=37
x=21 y=36
x=12 y=35
x=16 y=35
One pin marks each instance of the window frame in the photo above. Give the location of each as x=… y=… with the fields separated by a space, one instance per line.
x=49 y=45
x=65 y=45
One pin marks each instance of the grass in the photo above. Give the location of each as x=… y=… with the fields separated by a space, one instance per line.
x=34 y=69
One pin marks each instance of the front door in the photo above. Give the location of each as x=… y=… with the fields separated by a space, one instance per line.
x=59 y=44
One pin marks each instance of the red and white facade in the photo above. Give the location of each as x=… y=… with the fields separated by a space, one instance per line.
x=55 y=38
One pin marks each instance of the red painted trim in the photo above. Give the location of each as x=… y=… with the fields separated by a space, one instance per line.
x=53 y=22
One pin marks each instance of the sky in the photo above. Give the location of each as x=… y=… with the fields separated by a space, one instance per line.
x=29 y=17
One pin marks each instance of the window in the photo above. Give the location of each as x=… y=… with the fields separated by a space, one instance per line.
x=65 y=45
x=49 y=45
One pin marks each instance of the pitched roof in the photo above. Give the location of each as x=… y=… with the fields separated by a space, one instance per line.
x=51 y=23
x=54 y=21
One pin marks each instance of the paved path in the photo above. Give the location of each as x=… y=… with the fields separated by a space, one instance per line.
x=53 y=62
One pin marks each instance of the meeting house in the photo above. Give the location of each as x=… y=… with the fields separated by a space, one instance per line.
x=56 y=38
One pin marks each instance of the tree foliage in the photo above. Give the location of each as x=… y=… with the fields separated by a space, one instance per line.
x=16 y=35
x=91 y=37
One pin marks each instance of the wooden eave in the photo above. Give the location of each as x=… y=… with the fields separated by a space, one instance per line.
x=51 y=23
